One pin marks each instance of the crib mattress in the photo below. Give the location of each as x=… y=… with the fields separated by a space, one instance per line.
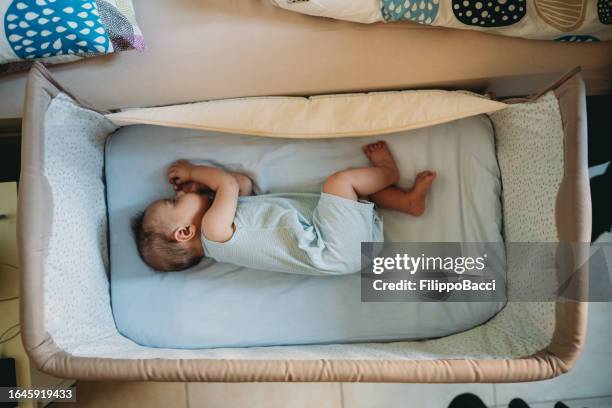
x=221 y=305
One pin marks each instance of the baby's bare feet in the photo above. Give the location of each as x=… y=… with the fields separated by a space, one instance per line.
x=416 y=197
x=380 y=156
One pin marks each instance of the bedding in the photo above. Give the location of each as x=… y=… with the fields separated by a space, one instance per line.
x=561 y=20
x=68 y=328
x=221 y=305
x=64 y=30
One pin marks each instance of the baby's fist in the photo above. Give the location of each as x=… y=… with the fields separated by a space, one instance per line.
x=179 y=172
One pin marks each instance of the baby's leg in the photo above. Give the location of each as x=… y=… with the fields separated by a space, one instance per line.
x=411 y=201
x=365 y=181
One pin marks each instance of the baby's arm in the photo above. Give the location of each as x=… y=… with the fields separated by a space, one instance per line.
x=218 y=221
x=244 y=183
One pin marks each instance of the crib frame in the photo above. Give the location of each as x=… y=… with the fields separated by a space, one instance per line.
x=574 y=225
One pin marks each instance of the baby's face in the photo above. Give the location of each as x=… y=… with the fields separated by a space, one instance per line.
x=184 y=209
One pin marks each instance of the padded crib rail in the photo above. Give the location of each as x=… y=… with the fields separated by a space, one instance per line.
x=322 y=116
x=35 y=211
x=34 y=190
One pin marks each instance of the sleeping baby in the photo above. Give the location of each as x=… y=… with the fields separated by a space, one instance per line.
x=303 y=233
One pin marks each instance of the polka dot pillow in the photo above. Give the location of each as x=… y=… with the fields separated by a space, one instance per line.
x=58 y=31
x=561 y=20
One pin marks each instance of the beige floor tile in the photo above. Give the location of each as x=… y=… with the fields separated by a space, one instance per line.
x=590 y=377
x=128 y=395
x=579 y=403
x=410 y=395
x=264 y=395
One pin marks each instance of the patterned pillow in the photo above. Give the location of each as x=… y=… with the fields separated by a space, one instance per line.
x=119 y=19
x=58 y=31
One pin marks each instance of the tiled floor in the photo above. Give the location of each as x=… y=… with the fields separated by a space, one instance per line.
x=581 y=403
x=128 y=395
x=411 y=395
x=268 y=395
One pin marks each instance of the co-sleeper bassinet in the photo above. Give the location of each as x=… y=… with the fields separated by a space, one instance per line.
x=67 y=323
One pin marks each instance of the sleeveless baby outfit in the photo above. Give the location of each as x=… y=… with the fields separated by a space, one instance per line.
x=301 y=233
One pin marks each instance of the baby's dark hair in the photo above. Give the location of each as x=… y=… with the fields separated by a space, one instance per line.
x=158 y=250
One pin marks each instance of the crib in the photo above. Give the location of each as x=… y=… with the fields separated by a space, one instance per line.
x=67 y=321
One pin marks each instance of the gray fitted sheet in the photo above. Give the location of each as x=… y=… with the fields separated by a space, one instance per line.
x=220 y=305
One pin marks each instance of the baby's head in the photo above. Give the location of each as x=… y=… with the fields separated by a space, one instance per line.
x=168 y=232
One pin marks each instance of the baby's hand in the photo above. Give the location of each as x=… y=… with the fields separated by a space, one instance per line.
x=179 y=172
x=245 y=183
x=189 y=187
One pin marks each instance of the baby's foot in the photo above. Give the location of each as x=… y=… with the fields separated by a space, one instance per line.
x=380 y=156
x=416 y=197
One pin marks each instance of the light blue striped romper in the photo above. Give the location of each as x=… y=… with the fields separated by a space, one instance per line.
x=303 y=233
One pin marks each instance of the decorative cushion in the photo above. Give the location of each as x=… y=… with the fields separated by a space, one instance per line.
x=64 y=30
x=560 y=20
x=119 y=19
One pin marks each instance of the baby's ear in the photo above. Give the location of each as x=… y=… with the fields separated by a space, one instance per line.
x=186 y=233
